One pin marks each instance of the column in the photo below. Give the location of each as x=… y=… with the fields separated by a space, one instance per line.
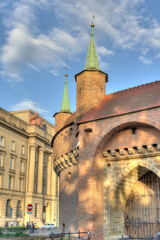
x=49 y=175
x=40 y=170
x=31 y=168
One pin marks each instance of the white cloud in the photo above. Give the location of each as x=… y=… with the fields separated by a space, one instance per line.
x=24 y=50
x=28 y=104
x=104 y=51
x=158 y=55
x=55 y=72
x=125 y=26
x=144 y=60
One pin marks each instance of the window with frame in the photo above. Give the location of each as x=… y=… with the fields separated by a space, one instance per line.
x=22 y=165
x=1 y=180
x=10 y=186
x=8 y=208
x=20 y=184
x=1 y=160
x=13 y=145
x=11 y=165
x=22 y=150
x=36 y=209
x=19 y=209
x=35 y=185
x=1 y=141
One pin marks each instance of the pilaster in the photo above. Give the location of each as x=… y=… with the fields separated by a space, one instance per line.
x=31 y=167
x=49 y=176
x=40 y=170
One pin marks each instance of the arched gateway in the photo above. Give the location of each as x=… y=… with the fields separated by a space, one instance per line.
x=106 y=146
x=142 y=210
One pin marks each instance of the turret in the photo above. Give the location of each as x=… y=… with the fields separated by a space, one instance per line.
x=90 y=82
x=65 y=112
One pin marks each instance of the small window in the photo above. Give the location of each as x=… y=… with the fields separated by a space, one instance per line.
x=134 y=131
x=22 y=150
x=21 y=166
x=8 y=208
x=10 y=186
x=1 y=180
x=20 y=184
x=13 y=146
x=36 y=208
x=1 y=160
x=11 y=163
x=44 y=127
x=68 y=176
x=19 y=209
x=1 y=141
x=35 y=186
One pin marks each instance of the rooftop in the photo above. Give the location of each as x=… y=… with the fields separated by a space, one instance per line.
x=126 y=101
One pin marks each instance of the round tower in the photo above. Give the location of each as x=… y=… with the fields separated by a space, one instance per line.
x=65 y=112
x=90 y=82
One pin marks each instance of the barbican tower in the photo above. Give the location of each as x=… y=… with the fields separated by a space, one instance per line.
x=65 y=112
x=90 y=82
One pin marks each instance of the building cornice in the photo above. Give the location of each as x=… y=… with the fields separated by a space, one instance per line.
x=132 y=153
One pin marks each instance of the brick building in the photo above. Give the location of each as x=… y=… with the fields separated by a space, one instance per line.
x=26 y=169
x=107 y=157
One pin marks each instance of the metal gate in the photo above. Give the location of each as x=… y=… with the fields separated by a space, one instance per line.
x=142 y=212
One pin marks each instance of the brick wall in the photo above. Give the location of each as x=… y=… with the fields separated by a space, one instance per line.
x=89 y=199
x=90 y=90
x=68 y=195
x=60 y=119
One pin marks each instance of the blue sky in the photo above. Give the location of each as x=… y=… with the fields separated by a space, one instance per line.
x=39 y=38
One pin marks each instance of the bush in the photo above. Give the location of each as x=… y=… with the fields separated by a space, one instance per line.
x=16 y=229
x=1 y=233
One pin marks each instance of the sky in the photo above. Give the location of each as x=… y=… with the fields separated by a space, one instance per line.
x=40 y=38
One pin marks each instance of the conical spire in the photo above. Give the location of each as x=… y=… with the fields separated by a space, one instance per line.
x=65 y=107
x=92 y=59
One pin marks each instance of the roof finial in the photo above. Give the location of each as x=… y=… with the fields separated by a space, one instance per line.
x=65 y=107
x=92 y=59
x=66 y=75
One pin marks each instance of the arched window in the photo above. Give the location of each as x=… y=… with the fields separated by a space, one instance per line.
x=19 y=210
x=69 y=177
x=44 y=127
x=8 y=208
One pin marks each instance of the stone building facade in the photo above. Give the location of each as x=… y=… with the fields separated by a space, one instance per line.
x=26 y=169
x=107 y=157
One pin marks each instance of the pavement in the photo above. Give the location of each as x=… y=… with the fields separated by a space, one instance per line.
x=41 y=232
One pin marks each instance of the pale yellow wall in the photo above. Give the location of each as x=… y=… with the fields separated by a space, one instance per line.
x=26 y=114
x=37 y=152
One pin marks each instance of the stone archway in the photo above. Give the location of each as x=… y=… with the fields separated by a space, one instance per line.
x=119 y=208
x=142 y=211
x=121 y=158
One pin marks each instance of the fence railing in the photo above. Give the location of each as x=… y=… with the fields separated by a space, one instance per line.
x=59 y=236
x=136 y=238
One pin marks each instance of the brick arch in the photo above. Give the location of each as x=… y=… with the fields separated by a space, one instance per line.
x=126 y=173
x=122 y=124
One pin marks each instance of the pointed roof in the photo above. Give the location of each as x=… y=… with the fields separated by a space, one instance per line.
x=92 y=59
x=65 y=107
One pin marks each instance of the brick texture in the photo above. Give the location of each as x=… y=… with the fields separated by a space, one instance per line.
x=101 y=185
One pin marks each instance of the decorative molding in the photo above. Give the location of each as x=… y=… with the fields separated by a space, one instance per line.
x=66 y=160
x=132 y=152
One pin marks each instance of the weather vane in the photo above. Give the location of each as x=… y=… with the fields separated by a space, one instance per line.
x=66 y=71
x=92 y=25
x=93 y=18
